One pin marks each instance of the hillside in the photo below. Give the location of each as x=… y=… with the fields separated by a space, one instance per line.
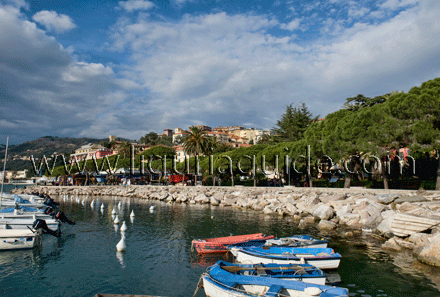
x=47 y=145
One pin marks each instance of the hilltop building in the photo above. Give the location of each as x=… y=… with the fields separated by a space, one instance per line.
x=88 y=151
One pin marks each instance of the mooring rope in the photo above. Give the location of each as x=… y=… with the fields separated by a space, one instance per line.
x=199 y=284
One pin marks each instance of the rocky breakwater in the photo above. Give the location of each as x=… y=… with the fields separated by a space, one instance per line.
x=408 y=219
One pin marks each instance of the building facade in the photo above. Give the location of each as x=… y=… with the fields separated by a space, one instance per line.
x=89 y=151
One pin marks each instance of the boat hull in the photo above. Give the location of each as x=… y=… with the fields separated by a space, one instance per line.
x=17 y=239
x=302 y=272
x=214 y=288
x=25 y=224
x=321 y=262
x=219 y=244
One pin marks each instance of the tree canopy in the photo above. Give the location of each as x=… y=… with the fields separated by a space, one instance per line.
x=294 y=122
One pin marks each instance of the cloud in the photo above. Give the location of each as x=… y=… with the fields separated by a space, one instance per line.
x=293 y=25
x=396 y=4
x=53 y=21
x=133 y=5
x=219 y=68
x=81 y=71
x=44 y=90
x=212 y=68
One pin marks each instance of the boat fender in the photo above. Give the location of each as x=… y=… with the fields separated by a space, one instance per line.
x=41 y=224
x=312 y=291
x=62 y=217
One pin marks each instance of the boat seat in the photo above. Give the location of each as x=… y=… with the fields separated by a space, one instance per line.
x=273 y=291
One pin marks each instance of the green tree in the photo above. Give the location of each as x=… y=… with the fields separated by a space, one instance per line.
x=150 y=138
x=294 y=122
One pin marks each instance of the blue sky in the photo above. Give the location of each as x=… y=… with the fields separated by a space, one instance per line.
x=125 y=68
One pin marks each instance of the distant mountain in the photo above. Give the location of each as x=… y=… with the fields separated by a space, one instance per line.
x=18 y=154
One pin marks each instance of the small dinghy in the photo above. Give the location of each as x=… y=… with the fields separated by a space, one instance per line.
x=219 y=283
x=219 y=244
x=13 y=239
x=291 y=272
x=291 y=241
x=322 y=258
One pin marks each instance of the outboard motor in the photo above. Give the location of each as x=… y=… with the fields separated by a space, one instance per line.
x=48 y=210
x=41 y=224
x=59 y=215
x=50 y=202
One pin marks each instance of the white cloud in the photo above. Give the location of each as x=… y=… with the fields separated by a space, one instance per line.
x=395 y=4
x=37 y=99
x=54 y=21
x=357 y=12
x=215 y=69
x=133 y=5
x=218 y=68
x=291 y=26
x=80 y=71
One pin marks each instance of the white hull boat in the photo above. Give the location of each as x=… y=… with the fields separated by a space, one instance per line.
x=11 y=239
x=219 y=283
x=25 y=224
x=297 y=256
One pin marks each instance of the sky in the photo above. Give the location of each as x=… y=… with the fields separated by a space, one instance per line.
x=125 y=68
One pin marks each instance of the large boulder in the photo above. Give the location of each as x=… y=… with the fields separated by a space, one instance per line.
x=330 y=198
x=384 y=228
x=431 y=253
x=386 y=198
x=214 y=201
x=327 y=225
x=324 y=212
x=392 y=245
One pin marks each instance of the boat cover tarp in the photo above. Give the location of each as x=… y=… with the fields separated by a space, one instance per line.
x=24 y=208
x=20 y=200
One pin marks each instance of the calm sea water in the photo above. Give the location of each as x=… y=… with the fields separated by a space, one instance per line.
x=158 y=259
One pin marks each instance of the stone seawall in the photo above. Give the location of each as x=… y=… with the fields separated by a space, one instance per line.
x=409 y=219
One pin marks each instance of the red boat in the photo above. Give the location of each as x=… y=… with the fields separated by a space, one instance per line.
x=218 y=244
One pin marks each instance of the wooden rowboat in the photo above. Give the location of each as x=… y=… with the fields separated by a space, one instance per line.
x=322 y=258
x=291 y=272
x=219 y=244
x=220 y=283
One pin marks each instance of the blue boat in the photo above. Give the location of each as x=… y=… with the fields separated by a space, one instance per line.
x=291 y=241
x=324 y=258
x=219 y=283
x=292 y=272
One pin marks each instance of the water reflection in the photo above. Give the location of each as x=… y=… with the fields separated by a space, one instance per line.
x=120 y=257
x=206 y=260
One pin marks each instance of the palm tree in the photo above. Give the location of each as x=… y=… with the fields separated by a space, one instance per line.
x=196 y=142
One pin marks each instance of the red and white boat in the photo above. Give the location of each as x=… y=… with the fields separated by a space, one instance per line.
x=218 y=244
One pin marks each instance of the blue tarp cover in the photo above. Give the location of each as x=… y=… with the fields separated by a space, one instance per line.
x=20 y=200
x=26 y=209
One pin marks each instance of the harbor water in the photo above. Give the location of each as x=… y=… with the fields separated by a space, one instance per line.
x=158 y=259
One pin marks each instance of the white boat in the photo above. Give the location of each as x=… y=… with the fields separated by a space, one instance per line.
x=301 y=240
x=220 y=283
x=25 y=212
x=12 y=239
x=318 y=257
x=290 y=272
x=18 y=200
x=24 y=224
